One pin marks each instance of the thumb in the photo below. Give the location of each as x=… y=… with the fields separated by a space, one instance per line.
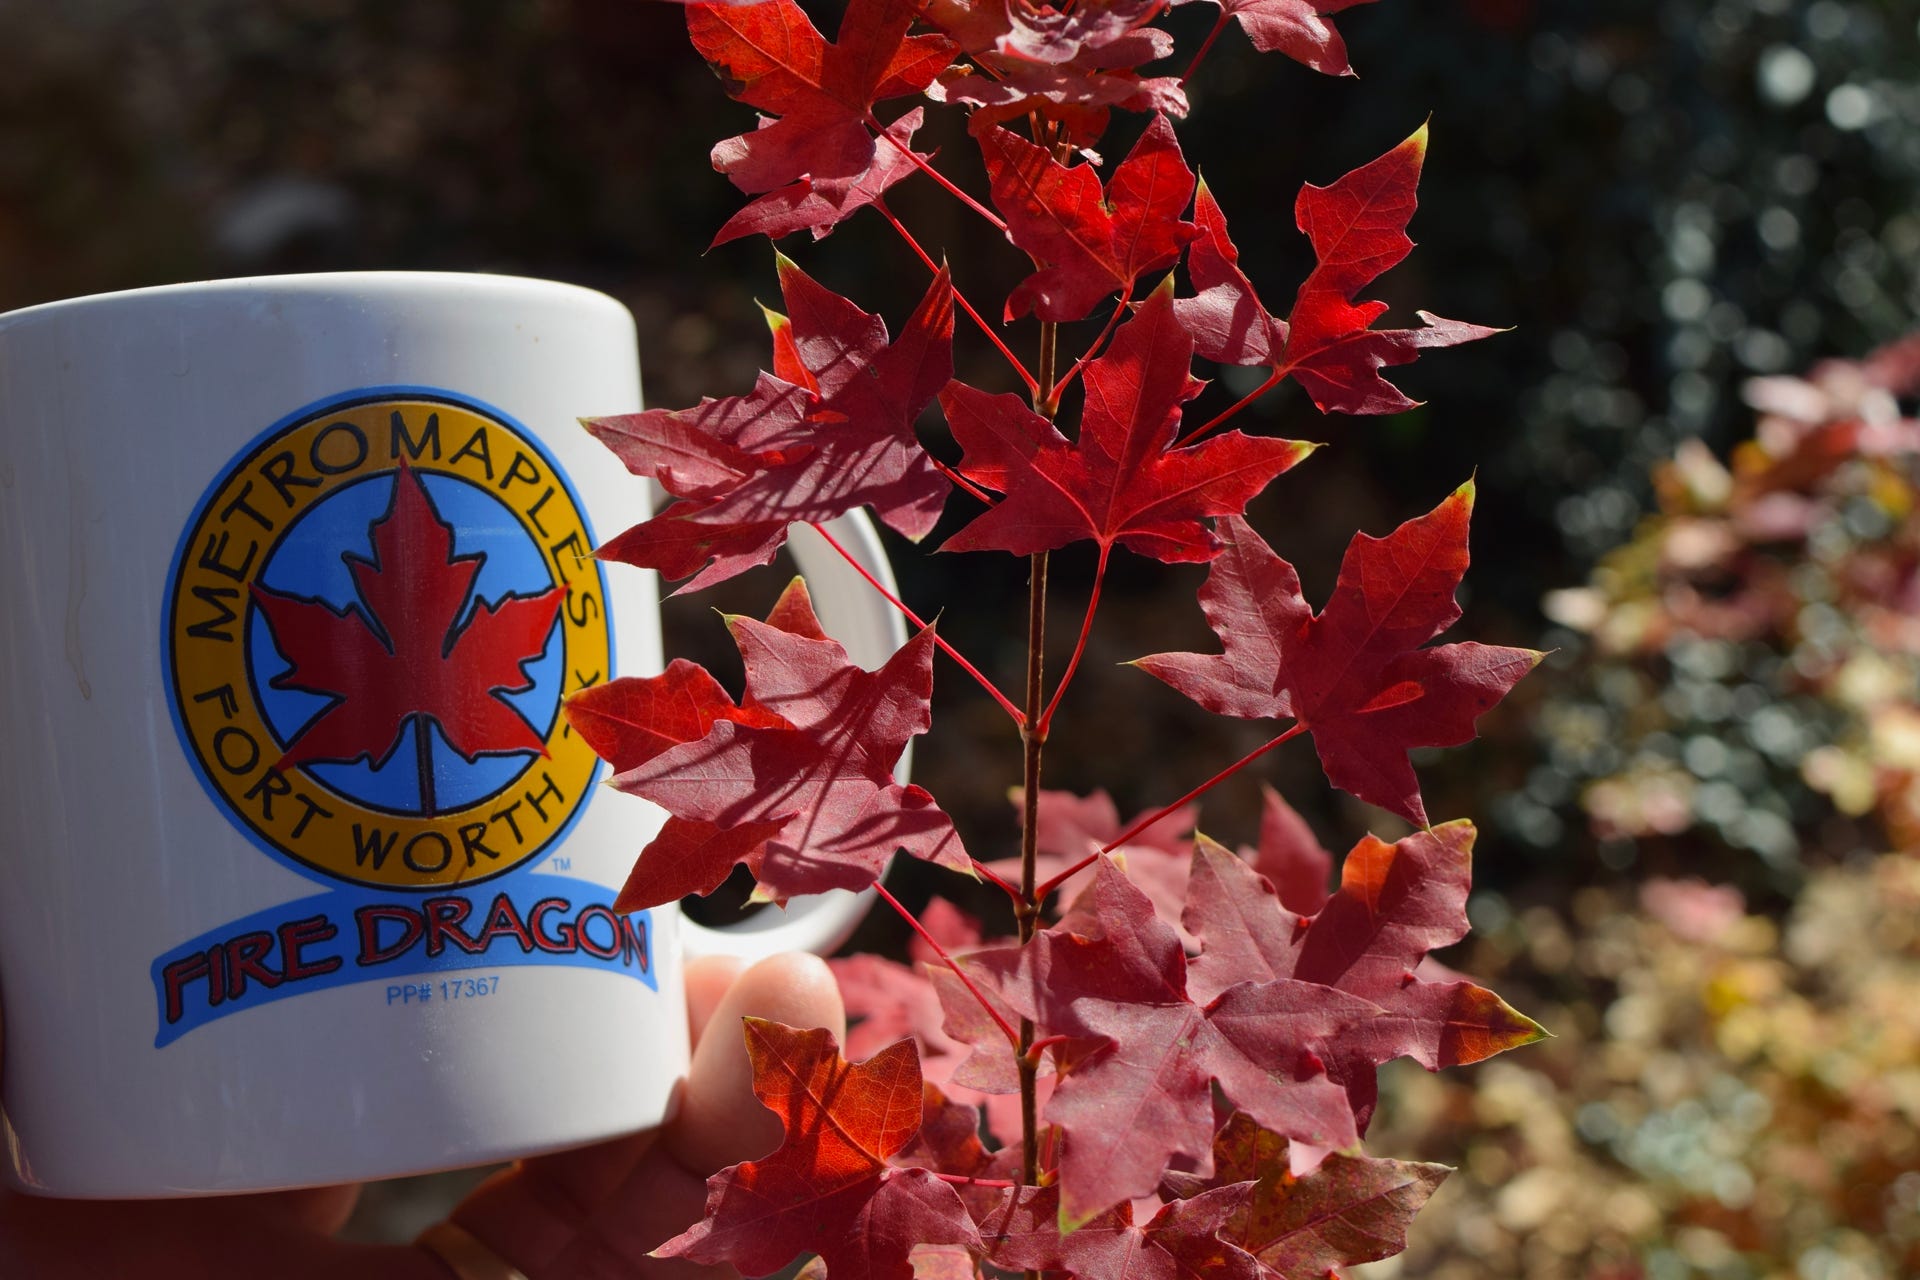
x=720 y=1121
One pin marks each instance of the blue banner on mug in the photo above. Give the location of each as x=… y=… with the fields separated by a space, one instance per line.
x=353 y=935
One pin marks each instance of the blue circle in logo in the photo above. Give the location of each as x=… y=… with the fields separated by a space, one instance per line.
x=312 y=561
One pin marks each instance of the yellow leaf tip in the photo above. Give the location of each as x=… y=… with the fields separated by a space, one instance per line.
x=1202 y=842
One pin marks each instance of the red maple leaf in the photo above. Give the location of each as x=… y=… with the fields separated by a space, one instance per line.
x=819 y=204
x=798 y=783
x=830 y=429
x=1358 y=230
x=886 y=1000
x=1113 y=978
x=1354 y=674
x=1347 y=1210
x=412 y=648
x=1115 y=30
x=1077 y=98
x=1396 y=902
x=629 y=721
x=1069 y=64
x=830 y=1188
x=1120 y=481
x=1094 y=243
x=816 y=149
x=1290 y=855
x=1225 y=317
x=1182 y=1241
x=1301 y=29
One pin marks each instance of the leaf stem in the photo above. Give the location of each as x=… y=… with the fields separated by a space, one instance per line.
x=939 y=177
x=1219 y=25
x=961 y=483
x=1033 y=736
x=1299 y=727
x=962 y=1180
x=1080 y=645
x=1273 y=380
x=987 y=873
x=1013 y=1036
x=958 y=297
x=1041 y=1046
x=999 y=697
x=1092 y=351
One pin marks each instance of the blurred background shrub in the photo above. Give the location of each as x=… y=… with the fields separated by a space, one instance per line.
x=1730 y=1097
x=1747 y=669
x=1735 y=1090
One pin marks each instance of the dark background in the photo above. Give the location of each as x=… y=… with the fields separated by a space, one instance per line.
x=1659 y=198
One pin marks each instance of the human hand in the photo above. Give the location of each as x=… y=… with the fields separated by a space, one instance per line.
x=590 y=1214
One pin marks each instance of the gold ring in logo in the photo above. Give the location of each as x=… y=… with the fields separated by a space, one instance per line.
x=371 y=622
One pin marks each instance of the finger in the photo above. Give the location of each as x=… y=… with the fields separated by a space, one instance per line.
x=322 y=1210
x=709 y=978
x=553 y=1227
x=720 y=1121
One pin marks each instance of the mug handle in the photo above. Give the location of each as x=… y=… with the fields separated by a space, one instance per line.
x=853 y=613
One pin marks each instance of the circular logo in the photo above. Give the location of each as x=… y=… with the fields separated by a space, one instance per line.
x=371 y=621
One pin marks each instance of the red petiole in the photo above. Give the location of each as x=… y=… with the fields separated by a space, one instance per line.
x=937 y=176
x=1080 y=645
x=1013 y=1037
x=1273 y=380
x=1298 y=728
x=959 y=299
x=1206 y=46
x=1119 y=310
x=1018 y=716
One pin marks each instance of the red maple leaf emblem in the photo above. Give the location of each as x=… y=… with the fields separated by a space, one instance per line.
x=411 y=648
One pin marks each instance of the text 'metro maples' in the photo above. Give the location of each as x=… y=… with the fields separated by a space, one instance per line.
x=1168 y=1067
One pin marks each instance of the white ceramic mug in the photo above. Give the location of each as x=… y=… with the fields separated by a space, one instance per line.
x=303 y=877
